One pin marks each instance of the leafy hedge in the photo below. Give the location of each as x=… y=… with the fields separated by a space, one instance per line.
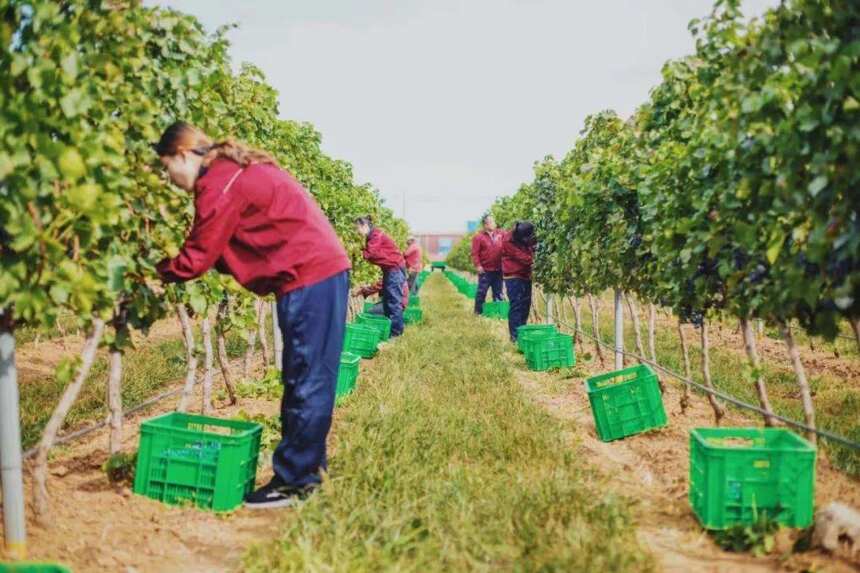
x=734 y=188
x=85 y=212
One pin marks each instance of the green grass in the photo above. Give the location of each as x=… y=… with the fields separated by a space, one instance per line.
x=837 y=400
x=442 y=463
x=147 y=371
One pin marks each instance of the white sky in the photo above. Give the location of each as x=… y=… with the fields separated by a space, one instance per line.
x=447 y=103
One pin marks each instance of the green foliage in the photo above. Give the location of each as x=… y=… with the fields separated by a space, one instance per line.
x=84 y=211
x=758 y=538
x=460 y=256
x=120 y=467
x=269 y=387
x=271 y=436
x=732 y=189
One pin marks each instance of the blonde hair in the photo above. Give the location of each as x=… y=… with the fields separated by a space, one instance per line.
x=182 y=136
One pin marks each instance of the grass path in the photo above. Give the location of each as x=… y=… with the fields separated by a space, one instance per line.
x=443 y=463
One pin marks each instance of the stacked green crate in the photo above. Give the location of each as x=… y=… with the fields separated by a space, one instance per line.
x=381 y=323
x=549 y=352
x=205 y=461
x=413 y=315
x=497 y=309
x=347 y=375
x=738 y=474
x=528 y=333
x=361 y=339
x=625 y=402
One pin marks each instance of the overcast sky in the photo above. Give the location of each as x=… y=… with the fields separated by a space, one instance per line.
x=447 y=103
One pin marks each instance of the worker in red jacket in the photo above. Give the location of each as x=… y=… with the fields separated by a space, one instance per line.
x=518 y=249
x=414 y=263
x=487 y=258
x=382 y=251
x=368 y=291
x=254 y=221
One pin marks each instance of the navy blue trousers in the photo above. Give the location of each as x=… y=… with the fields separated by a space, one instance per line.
x=486 y=281
x=312 y=321
x=520 y=295
x=392 y=298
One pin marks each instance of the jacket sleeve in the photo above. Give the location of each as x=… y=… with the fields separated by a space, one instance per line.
x=522 y=256
x=216 y=218
x=370 y=290
x=374 y=251
x=476 y=250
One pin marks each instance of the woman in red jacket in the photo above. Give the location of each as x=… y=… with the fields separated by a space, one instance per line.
x=254 y=221
x=382 y=251
x=518 y=249
x=414 y=264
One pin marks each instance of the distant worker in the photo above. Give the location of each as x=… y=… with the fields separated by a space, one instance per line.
x=382 y=251
x=414 y=263
x=517 y=258
x=253 y=220
x=370 y=290
x=487 y=258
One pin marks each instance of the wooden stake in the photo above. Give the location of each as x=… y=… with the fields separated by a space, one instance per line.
x=261 y=331
x=577 y=313
x=688 y=372
x=634 y=314
x=802 y=382
x=49 y=435
x=114 y=395
x=221 y=340
x=755 y=363
x=249 y=353
x=595 y=328
x=719 y=411
x=190 y=357
x=208 y=361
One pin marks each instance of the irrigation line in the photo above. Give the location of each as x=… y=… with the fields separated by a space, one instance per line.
x=65 y=439
x=727 y=397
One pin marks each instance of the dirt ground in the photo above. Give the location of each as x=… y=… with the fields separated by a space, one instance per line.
x=652 y=469
x=98 y=527
x=95 y=526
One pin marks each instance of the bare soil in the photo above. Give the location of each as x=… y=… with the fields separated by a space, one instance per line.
x=652 y=470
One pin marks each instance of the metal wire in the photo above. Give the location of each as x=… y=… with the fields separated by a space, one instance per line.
x=722 y=395
x=65 y=439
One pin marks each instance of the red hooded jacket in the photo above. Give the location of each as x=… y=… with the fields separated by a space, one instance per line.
x=413 y=258
x=265 y=230
x=516 y=260
x=382 y=251
x=487 y=250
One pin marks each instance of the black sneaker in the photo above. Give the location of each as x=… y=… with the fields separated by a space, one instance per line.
x=275 y=494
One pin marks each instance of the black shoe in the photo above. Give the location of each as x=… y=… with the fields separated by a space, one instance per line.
x=275 y=494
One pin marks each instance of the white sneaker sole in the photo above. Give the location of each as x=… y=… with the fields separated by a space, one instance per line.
x=289 y=502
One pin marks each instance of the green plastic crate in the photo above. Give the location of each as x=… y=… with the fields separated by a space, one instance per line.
x=381 y=323
x=497 y=309
x=205 y=461
x=438 y=265
x=414 y=300
x=738 y=473
x=32 y=568
x=548 y=352
x=369 y=304
x=528 y=333
x=625 y=402
x=361 y=339
x=413 y=315
x=347 y=374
